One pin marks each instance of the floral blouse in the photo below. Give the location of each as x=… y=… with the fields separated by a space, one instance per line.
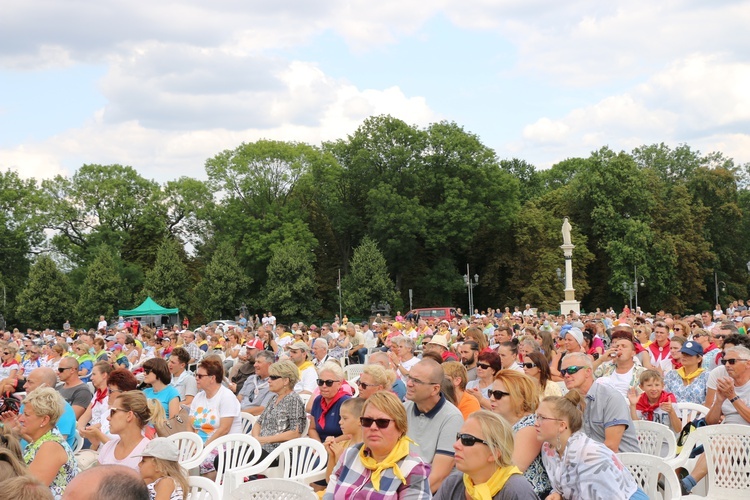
x=535 y=473
x=695 y=392
x=66 y=473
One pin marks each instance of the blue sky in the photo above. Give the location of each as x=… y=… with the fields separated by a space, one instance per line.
x=163 y=87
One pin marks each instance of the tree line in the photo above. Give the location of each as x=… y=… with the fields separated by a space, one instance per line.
x=392 y=208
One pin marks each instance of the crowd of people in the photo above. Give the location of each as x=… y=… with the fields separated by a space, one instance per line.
x=496 y=404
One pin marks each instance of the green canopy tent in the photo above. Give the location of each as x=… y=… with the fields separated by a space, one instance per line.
x=148 y=308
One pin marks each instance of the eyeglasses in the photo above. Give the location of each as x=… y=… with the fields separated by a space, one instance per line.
x=529 y=365
x=199 y=376
x=720 y=337
x=112 y=411
x=498 y=395
x=61 y=369
x=6 y=353
x=381 y=423
x=571 y=370
x=698 y=335
x=275 y=377
x=484 y=366
x=413 y=380
x=469 y=440
x=365 y=386
x=112 y=391
x=731 y=361
x=328 y=383
x=542 y=418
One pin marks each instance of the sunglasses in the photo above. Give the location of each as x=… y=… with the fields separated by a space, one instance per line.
x=199 y=376
x=721 y=337
x=365 y=386
x=698 y=335
x=6 y=353
x=60 y=370
x=529 y=365
x=498 y=395
x=571 y=370
x=147 y=371
x=275 y=377
x=484 y=366
x=469 y=440
x=328 y=383
x=731 y=361
x=381 y=423
x=112 y=411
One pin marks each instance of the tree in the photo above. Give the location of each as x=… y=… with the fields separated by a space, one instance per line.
x=168 y=283
x=102 y=290
x=224 y=286
x=367 y=282
x=46 y=301
x=290 y=288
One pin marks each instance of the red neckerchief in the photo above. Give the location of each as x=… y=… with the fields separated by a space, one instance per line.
x=676 y=364
x=648 y=409
x=717 y=360
x=100 y=395
x=660 y=354
x=327 y=406
x=11 y=361
x=710 y=347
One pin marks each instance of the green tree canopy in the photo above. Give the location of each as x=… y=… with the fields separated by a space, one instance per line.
x=290 y=289
x=224 y=287
x=46 y=300
x=367 y=282
x=168 y=283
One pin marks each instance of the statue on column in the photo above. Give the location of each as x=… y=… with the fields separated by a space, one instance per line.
x=566 y=227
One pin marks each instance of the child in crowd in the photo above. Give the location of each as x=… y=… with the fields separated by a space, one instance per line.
x=351 y=410
x=654 y=404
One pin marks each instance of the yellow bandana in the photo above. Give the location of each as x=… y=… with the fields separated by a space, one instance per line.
x=304 y=366
x=688 y=378
x=390 y=462
x=486 y=491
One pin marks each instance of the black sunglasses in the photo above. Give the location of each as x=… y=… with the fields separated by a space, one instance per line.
x=381 y=423
x=498 y=395
x=275 y=377
x=328 y=383
x=469 y=440
x=571 y=370
x=484 y=366
x=365 y=386
x=731 y=361
x=722 y=337
x=529 y=365
x=63 y=369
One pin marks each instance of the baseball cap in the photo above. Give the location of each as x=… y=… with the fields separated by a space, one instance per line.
x=299 y=345
x=692 y=349
x=255 y=343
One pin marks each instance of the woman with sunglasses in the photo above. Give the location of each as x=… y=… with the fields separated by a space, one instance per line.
x=382 y=466
x=8 y=369
x=127 y=422
x=484 y=447
x=85 y=361
x=98 y=410
x=324 y=413
x=578 y=466
x=284 y=416
x=157 y=375
x=515 y=397
x=374 y=378
x=488 y=364
x=118 y=381
x=48 y=455
x=535 y=366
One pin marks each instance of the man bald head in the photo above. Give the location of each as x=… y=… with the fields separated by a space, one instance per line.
x=39 y=376
x=107 y=482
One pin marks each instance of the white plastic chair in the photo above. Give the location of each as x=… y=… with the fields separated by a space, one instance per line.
x=655 y=438
x=302 y=459
x=305 y=398
x=77 y=442
x=353 y=371
x=189 y=444
x=247 y=421
x=202 y=488
x=647 y=469
x=727 y=452
x=689 y=411
x=273 y=489
x=234 y=451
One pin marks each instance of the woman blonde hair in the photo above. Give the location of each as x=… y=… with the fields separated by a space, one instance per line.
x=285 y=369
x=383 y=377
x=388 y=403
x=136 y=402
x=455 y=369
x=332 y=367
x=567 y=408
x=497 y=434
x=174 y=471
x=523 y=390
x=46 y=402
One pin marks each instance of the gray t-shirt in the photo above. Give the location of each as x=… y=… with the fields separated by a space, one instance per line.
x=731 y=415
x=606 y=407
x=255 y=393
x=78 y=395
x=516 y=488
x=434 y=431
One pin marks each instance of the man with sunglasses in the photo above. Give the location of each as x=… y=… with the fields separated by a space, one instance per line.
x=433 y=421
x=73 y=390
x=606 y=414
x=718 y=335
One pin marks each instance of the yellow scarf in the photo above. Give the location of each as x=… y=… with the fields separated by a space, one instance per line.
x=390 y=462
x=304 y=366
x=688 y=378
x=486 y=491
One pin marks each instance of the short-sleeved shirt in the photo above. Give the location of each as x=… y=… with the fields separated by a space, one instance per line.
x=281 y=416
x=185 y=385
x=255 y=393
x=434 y=431
x=107 y=453
x=307 y=380
x=164 y=396
x=515 y=488
x=606 y=407
x=731 y=415
x=78 y=395
x=332 y=427
x=695 y=392
x=208 y=412
x=6 y=369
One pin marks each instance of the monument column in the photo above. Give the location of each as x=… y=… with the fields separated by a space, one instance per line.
x=570 y=303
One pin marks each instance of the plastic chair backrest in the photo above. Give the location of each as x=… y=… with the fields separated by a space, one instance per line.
x=189 y=444
x=655 y=438
x=647 y=470
x=352 y=371
x=247 y=422
x=689 y=411
x=234 y=451
x=202 y=488
x=727 y=450
x=272 y=489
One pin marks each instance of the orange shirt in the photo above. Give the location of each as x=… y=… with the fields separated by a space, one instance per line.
x=468 y=405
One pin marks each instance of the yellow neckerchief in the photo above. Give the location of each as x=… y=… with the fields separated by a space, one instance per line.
x=304 y=366
x=284 y=335
x=485 y=491
x=390 y=462
x=688 y=378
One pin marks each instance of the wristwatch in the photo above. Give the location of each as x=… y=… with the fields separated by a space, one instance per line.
x=734 y=399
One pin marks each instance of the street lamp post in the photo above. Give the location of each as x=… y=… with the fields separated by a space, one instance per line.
x=723 y=285
x=470 y=288
x=341 y=314
x=627 y=287
x=637 y=279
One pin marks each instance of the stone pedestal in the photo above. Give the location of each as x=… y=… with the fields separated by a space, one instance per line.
x=570 y=303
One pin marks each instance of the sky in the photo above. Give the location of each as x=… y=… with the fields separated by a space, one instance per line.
x=163 y=86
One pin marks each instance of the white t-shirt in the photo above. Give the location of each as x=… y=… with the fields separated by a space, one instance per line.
x=308 y=381
x=407 y=366
x=107 y=453
x=731 y=415
x=618 y=381
x=208 y=412
x=185 y=385
x=102 y=325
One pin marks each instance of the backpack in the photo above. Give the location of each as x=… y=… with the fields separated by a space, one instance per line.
x=685 y=432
